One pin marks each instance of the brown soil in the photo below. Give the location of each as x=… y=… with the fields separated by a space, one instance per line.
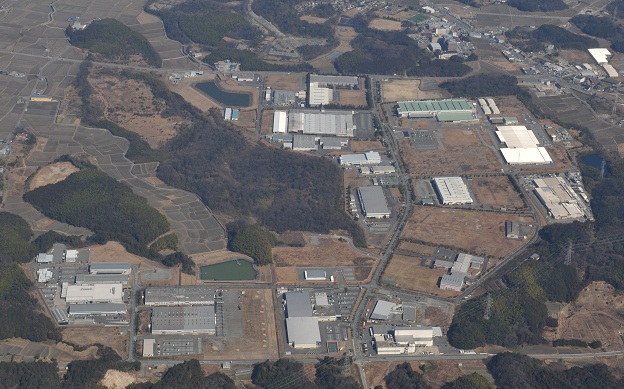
x=467 y=151
x=107 y=336
x=115 y=252
x=23 y=349
x=594 y=316
x=407 y=273
x=480 y=233
x=329 y=252
x=115 y=379
x=496 y=191
x=385 y=25
x=52 y=174
x=356 y=98
x=312 y=19
x=131 y=104
x=284 y=81
x=286 y=275
x=398 y=89
x=417 y=248
x=359 y=146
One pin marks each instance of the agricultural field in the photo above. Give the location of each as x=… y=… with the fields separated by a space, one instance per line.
x=475 y=232
x=407 y=273
x=466 y=151
x=496 y=191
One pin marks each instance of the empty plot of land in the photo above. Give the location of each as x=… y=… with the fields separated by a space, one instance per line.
x=399 y=89
x=405 y=272
x=312 y=19
x=320 y=251
x=480 y=233
x=417 y=248
x=366 y=145
x=115 y=379
x=593 y=316
x=107 y=336
x=385 y=25
x=356 y=98
x=496 y=191
x=463 y=153
x=52 y=174
x=285 y=81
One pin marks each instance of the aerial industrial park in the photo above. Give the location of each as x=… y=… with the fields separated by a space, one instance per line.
x=305 y=212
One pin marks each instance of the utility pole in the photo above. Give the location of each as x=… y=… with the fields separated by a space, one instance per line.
x=488 y=307
x=346 y=366
x=568 y=259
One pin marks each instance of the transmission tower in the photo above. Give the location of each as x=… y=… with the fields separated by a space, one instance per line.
x=568 y=259
x=346 y=366
x=488 y=307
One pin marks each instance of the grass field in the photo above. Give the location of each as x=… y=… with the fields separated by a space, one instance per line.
x=418 y=18
x=496 y=191
x=407 y=273
x=328 y=252
x=417 y=248
x=385 y=25
x=481 y=233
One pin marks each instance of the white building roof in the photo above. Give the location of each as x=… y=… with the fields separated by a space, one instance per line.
x=109 y=267
x=611 y=72
x=107 y=293
x=600 y=55
x=333 y=80
x=304 y=332
x=148 y=347
x=368 y=158
x=452 y=190
x=373 y=201
x=523 y=156
x=330 y=123
x=97 y=309
x=516 y=137
x=280 y=122
x=44 y=258
x=382 y=310
x=319 y=95
x=453 y=281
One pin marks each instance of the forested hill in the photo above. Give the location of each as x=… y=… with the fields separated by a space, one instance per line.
x=113 y=40
x=538 y=5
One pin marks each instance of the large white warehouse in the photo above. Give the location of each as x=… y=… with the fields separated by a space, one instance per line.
x=373 y=201
x=98 y=293
x=280 y=122
x=522 y=147
x=452 y=190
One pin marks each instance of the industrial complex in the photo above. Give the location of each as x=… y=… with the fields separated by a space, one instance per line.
x=452 y=190
x=373 y=202
x=559 y=198
x=521 y=146
x=453 y=110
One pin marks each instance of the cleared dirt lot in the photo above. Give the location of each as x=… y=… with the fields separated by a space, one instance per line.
x=108 y=336
x=356 y=98
x=52 y=174
x=417 y=248
x=285 y=81
x=397 y=89
x=466 y=151
x=496 y=191
x=358 y=146
x=405 y=272
x=594 y=316
x=115 y=379
x=25 y=350
x=131 y=104
x=328 y=252
x=385 y=25
x=481 y=233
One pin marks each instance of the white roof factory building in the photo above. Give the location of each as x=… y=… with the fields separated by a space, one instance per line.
x=558 y=197
x=184 y=320
x=368 y=158
x=179 y=295
x=110 y=268
x=382 y=310
x=328 y=123
x=419 y=336
x=280 y=122
x=600 y=55
x=522 y=147
x=373 y=202
x=99 y=293
x=303 y=332
x=97 y=309
x=430 y=108
x=452 y=190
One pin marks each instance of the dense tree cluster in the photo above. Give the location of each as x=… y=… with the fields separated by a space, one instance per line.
x=15 y=235
x=470 y=381
x=528 y=39
x=392 y=52
x=114 y=40
x=286 y=18
x=44 y=242
x=513 y=371
x=329 y=375
x=29 y=375
x=186 y=263
x=205 y=22
x=19 y=310
x=254 y=241
x=484 y=85
x=85 y=374
x=279 y=374
x=601 y=27
x=404 y=377
x=538 y=5
x=92 y=199
x=166 y=242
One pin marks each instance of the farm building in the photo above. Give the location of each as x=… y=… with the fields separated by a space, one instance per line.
x=184 y=320
x=110 y=268
x=452 y=190
x=98 y=293
x=303 y=332
x=430 y=108
x=179 y=295
x=373 y=202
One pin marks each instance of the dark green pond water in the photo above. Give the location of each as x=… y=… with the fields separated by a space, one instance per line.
x=230 y=99
x=238 y=269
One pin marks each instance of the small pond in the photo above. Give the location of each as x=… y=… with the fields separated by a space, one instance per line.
x=237 y=269
x=230 y=99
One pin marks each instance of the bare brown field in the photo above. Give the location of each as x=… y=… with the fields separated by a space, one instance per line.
x=25 y=350
x=286 y=275
x=464 y=154
x=312 y=19
x=417 y=248
x=385 y=25
x=329 y=252
x=352 y=179
x=502 y=63
x=511 y=106
x=266 y=122
x=481 y=233
x=497 y=191
x=575 y=56
x=358 y=146
x=52 y=174
x=407 y=273
x=123 y=99
x=259 y=340
x=115 y=252
x=356 y=98
x=594 y=316
x=396 y=89
x=195 y=97
x=284 y=81
x=107 y=336
x=115 y=379
x=440 y=372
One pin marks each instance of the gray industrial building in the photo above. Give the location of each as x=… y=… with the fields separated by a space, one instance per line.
x=373 y=202
x=184 y=320
x=304 y=143
x=179 y=295
x=97 y=309
x=110 y=268
x=298 y=304
x=90 y=279
x=321 y=80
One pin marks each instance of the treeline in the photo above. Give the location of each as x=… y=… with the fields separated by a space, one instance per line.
x=512 y=371
x=15 y=235
x=286 y=18
x=188 y=375
x=29 y=375
x=538 y=5
x=483 y=85
x=528 y=39
x=404 y=376
x=601 y=27
x=289 y=373
x=92 y=199
x=250 y=61
x=114 y=40
x=254 y=241
x=44 y=242
x=392 y=52
x=205 y=22
x=83 y=374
